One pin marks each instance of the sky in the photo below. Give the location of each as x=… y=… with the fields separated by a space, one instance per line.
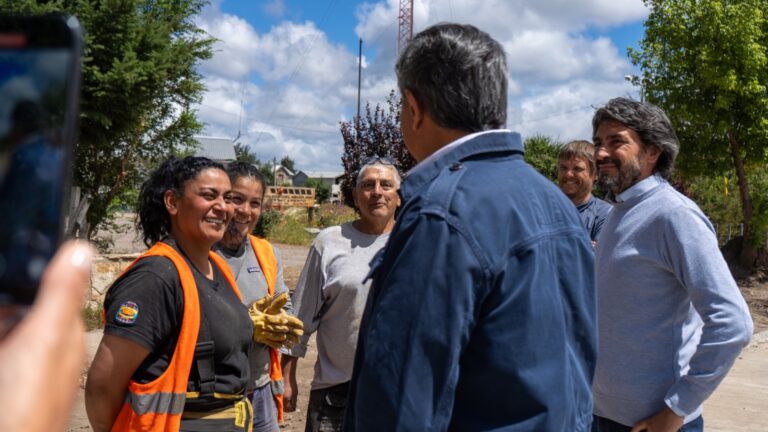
x=284 y=72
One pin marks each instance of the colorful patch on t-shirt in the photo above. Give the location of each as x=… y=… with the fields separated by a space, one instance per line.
x=127 y=313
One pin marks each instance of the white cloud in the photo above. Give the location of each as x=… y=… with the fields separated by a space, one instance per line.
x=233 y=55
x=565 y=111
x=549 y=56
x=306 y=83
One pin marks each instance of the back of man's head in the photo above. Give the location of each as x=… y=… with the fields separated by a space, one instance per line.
x=458 y=74
x=651 y=124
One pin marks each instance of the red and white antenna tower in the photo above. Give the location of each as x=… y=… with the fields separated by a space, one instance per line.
x=405 y=24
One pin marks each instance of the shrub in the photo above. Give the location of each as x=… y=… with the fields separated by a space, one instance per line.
x=267 y=223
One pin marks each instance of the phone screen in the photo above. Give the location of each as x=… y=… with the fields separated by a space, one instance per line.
x=39 y=86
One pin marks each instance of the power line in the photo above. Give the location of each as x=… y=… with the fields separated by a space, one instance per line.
x=269 y=123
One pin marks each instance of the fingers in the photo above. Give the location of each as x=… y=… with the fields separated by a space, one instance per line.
x=261 y=304
x=640 y=426
x=63 y=286
x=277 y=303
x=47 y=349
x=289 y=403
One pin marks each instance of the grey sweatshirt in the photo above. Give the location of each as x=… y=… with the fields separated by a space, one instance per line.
x=330 y=299
x=671 y=320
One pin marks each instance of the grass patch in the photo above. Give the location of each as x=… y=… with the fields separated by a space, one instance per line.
x=333 y=214
x=92 y=317
x=291 y=230
x=290 y=227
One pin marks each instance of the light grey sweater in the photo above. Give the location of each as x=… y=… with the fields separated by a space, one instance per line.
x=671 y=320
x=330 y=298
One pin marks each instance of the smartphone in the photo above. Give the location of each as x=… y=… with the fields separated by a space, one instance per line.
x=40 y=68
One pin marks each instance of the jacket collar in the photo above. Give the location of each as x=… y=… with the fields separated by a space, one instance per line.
x=472 y=145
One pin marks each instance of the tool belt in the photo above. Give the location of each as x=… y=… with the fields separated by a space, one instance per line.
x=235 y=418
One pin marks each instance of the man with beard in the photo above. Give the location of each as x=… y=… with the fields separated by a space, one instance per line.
x=576 y=174
x=671 y=320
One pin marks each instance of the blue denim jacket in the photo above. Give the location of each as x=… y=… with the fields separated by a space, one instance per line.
x=482 y=310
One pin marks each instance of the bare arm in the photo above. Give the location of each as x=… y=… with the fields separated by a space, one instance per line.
x=291 y=394
x=115 y=362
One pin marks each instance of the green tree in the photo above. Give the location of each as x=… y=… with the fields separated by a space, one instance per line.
x=288 y=163
x=139 y=83
x=706 y=63
x=243 y=153
x=541 y=152
x=375 y=134
x=322 y=190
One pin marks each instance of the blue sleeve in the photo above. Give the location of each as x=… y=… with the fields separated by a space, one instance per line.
x=421 y=315
x=693 y=253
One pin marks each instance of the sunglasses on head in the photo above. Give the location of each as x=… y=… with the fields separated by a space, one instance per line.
x=384 y=160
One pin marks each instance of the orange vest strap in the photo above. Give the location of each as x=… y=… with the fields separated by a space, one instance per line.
x=268 y=263
x=157 y=406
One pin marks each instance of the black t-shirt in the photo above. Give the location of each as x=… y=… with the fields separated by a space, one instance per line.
x=146 y=305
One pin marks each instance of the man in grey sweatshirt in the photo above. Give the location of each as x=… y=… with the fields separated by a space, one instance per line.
x=671 y=320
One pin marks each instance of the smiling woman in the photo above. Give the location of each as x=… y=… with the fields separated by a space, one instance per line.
x=176 y=338
x=258 y=272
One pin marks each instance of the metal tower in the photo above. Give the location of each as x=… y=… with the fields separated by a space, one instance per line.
x=405 y=24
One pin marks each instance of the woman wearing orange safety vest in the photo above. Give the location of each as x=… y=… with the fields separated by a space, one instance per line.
x=175 y=350
x=259 y=275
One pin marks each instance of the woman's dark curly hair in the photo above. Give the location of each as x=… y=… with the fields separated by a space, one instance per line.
x=152 y=218
x=236 y=170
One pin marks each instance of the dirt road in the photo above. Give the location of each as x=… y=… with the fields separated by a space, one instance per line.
x=740 y=404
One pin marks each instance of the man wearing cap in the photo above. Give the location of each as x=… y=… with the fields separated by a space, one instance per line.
x=332 y=290
x=481 y=311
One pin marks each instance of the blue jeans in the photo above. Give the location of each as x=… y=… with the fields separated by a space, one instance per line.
x=264 y=410
x=601 y=424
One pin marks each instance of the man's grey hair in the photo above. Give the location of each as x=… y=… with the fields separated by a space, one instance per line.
x=651 y=124
x=458 y=74
x=378 y=164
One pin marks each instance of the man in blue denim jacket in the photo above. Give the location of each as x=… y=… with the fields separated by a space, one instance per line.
x=481 y=315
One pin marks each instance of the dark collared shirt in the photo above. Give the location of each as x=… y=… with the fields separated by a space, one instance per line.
x=593 y=214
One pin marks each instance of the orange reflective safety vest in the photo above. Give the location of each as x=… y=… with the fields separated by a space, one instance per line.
x=268 y=263
x=158 y=405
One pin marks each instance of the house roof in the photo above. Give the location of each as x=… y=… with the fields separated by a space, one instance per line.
x=287 y=171
x=323 y=174
x=220 y=149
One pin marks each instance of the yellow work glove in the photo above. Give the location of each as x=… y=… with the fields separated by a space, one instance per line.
x=272 y=326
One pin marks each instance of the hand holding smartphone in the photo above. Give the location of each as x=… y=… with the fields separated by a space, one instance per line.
x=40 y=62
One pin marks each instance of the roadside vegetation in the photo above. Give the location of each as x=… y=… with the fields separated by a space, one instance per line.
x=293 y=227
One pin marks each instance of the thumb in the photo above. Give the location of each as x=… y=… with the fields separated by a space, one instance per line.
x=63 y=286
x=277 y=303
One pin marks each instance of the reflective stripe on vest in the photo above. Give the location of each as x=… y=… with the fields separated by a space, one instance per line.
x=161 y=403
x=156 y=406
x=268 y=263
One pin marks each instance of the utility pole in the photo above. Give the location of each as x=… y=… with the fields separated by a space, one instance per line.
x=359 y=76
x=274 y=171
